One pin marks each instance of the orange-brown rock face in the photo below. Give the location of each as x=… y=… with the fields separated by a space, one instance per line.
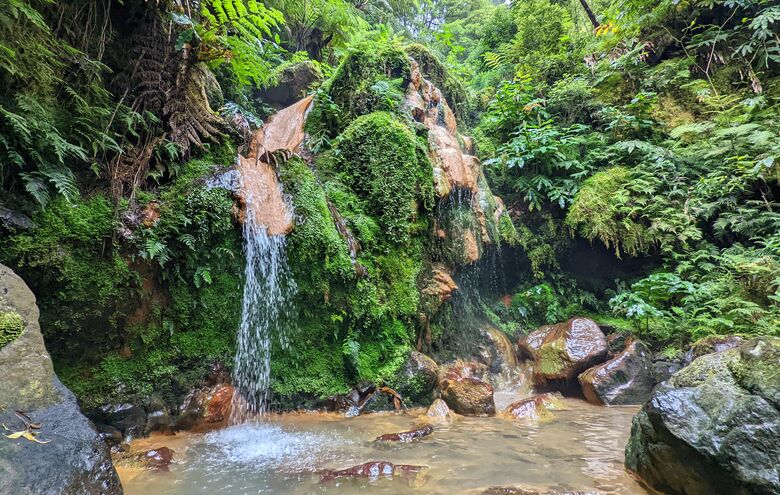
x=440 y=286
x=259 y=183
x=453 y=167
x=464 y=392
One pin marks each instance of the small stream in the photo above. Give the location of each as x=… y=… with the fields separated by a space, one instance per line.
x=580 y=449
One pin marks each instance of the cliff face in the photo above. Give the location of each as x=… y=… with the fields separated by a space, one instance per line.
x=62 y=452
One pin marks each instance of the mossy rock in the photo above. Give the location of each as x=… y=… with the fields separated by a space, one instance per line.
x=11 y=327
x=382 y=160
x=352 y=91
x=715 y=426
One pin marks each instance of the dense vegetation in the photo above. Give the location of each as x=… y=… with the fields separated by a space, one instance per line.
x=642 y=139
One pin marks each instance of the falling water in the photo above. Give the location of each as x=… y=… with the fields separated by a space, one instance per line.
x=265 y=313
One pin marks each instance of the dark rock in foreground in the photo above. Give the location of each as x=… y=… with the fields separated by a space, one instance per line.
x=562 y=351
x=75 y=460
x=627 y=378
x=714 y=427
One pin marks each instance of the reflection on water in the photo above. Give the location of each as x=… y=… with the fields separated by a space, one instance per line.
x=581 y=449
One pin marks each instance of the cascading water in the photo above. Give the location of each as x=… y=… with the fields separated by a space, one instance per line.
x=265 y=313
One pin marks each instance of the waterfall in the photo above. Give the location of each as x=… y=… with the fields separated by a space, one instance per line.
x=265 y=313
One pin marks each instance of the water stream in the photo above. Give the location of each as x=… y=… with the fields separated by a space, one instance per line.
x=581 y=448
x=266 y=309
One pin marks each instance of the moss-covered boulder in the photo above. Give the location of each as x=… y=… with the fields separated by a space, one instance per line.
x=714 y=427
x=562 y=351
x=416 y=380
x=74 y=460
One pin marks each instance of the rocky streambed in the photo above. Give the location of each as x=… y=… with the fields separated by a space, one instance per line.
x=578 y=448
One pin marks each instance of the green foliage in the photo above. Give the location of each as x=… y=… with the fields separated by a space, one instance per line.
x=380 y=159
x=372 y=77
x=11 y=327
x=84 y=287
x=236 y=32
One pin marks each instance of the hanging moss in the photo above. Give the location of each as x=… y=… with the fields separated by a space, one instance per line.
x=372 y=77
x=11 y=327
x=383 y=162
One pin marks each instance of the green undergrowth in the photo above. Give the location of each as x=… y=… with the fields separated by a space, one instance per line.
x=83 y=284
x=355 y=321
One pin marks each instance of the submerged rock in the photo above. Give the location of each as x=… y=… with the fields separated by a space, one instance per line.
x=514 y=490
x=407 y=436
x=562 y=351
x=74 y=459
x=438 y=412
x=627 y=378
x=714 y=427
x=158 y=459
x=538 y=407
x=374 y=470
x=464 y=393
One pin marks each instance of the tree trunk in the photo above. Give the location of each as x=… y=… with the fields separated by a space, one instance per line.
x=590 y=13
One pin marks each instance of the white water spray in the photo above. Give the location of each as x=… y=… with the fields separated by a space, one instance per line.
x=265 y=314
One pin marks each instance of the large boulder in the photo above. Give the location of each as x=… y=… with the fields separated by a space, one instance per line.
x=627 y=378
x=562 y=351
x=464 y=392
x=74 y=461
x=495 y=350
x=714 y=427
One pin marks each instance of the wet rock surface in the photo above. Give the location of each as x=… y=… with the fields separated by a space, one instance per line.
x=205 y=408
x=464 y=392
x=497 y=352
x=407 y=436
x=537 y=407
x=625 y=379
x=562 y=351
x=438 y=412
x=375 y=469
x=75 y=460
x=417 y=379
x=714 y=427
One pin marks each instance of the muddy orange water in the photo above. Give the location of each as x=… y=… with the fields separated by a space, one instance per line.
x=580 y=449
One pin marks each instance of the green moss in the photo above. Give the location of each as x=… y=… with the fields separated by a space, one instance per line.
x=601 y=211
x=380 y=159
x=85 y=288
x=507 y=230
x=372 y=77
x=551 y=359
x=11 y=327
